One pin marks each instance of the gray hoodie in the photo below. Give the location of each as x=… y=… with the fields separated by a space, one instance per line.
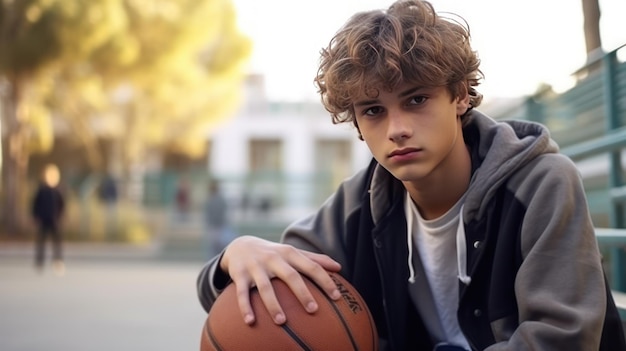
x=534 y=278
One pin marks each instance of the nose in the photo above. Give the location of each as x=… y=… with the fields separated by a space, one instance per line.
x=399 y=127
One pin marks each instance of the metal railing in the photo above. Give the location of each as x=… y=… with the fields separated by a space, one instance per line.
x=588 y=121
x=612 y=143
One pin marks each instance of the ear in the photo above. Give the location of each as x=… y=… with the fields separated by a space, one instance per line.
x=462 y=104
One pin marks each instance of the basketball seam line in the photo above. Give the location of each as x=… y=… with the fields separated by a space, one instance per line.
x=340 y=315
x=295 y=337
x=212 y=339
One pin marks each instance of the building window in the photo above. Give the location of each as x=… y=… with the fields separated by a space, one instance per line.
x=265 y=184
x=265 y=155
x=333 y=163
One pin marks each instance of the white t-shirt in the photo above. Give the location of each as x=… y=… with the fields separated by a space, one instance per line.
x=436 y=242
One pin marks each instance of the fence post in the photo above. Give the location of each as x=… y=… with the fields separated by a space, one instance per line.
x=616 y=215
x=535 y=109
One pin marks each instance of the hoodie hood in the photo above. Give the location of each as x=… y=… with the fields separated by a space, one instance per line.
x=499 y=149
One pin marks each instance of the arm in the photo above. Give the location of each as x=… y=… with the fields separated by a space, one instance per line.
x=60 y=202
x=559 y=287
x=35 y=210
x=211 y=281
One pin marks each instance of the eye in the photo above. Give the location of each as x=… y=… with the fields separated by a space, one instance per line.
x=373 y=111
x=418 y=100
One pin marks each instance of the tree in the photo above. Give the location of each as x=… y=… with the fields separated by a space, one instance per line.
x=32 y=34
x=593 y=39
x=170 y=73
x=70 y=57
x=591 y=16
x=182 y=89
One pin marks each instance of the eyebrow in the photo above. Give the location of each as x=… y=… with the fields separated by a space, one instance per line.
x=403 y=94
x=410 y=91
x=365 y=103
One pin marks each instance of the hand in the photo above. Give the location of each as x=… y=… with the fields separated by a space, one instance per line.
x=252 y=261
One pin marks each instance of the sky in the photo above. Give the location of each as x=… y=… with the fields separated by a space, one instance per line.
x=520 y=43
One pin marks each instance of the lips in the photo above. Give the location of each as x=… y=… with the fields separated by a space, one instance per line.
x=405 y=151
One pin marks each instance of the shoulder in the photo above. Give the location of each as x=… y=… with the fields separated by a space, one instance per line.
x=550 y=174
x=549 y=166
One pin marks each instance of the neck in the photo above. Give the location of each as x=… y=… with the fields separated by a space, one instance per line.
x=436 y=194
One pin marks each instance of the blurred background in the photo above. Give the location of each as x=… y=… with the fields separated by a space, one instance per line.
x=153 y=110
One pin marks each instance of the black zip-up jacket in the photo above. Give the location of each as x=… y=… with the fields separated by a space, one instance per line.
x=536 y=275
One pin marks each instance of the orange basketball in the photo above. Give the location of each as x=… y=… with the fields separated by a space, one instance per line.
x=341 y=325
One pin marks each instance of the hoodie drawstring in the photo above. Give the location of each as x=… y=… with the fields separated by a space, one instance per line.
x=461 y=249
x=409 y=236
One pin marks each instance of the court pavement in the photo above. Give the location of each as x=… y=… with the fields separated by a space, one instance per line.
x=124 y=301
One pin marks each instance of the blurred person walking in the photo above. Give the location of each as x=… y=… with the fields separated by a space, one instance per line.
x=183 y=199
x=107 y=192
x=48 y=206
x=219 y=232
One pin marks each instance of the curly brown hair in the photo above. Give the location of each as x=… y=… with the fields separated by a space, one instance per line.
x=380 y=49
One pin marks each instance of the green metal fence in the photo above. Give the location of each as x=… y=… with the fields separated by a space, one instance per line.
x=588 y=121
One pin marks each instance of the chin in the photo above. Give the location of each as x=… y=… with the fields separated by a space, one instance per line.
x=406 y=174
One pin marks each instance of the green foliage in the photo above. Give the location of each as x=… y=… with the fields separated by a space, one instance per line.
x=35 y=33
x=145 y=73
x=180 y=91
x=179 y=64
x=28 y=35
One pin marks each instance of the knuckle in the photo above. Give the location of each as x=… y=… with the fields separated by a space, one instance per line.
x=287 y=250
x=264 y=285
x=316 y=268
x=292 y=275
x=267 y=256
x=242 y=289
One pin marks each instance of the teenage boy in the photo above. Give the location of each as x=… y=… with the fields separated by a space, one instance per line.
x=463 y=233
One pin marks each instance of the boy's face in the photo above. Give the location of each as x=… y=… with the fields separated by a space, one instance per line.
x=413 y=132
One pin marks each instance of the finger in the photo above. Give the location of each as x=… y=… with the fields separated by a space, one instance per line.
x=295 y=282
x=243 y=300
x=270 y=301
x=323 y=260
x=320 y=276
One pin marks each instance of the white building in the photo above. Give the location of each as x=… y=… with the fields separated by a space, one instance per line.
x=287 y=153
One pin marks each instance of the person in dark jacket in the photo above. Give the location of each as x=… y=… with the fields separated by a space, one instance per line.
x=463 y=233
x=48 y=206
